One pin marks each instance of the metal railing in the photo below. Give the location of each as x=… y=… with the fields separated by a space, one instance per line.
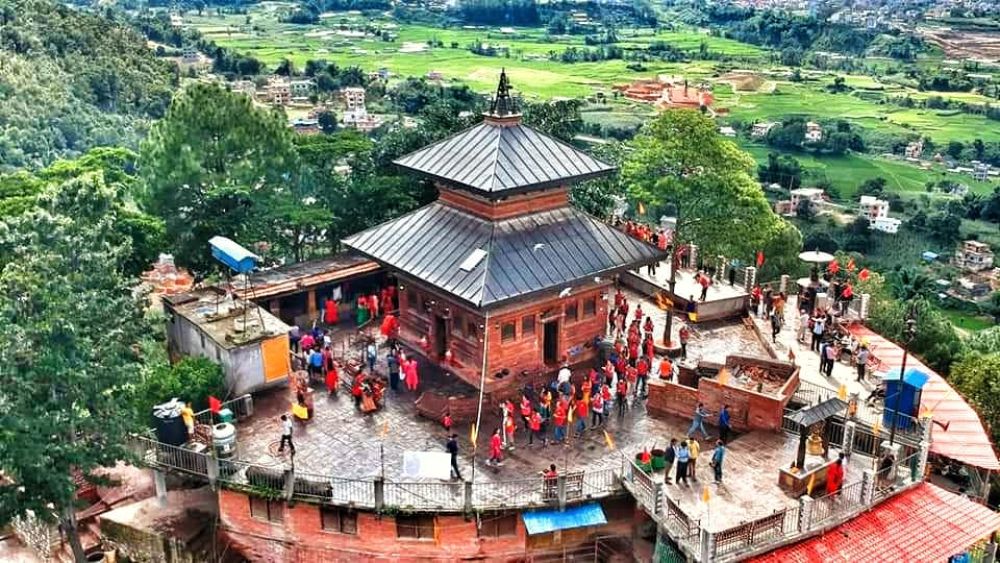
x=828 y=507
x=643 y=488
x=273 y=481
x=678 y=522
x=756 y=533
x=425 y=496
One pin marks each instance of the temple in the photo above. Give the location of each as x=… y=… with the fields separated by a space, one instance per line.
x=501 y=275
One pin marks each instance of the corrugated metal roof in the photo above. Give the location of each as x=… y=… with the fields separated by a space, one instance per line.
x=965 y=439
x=925 y=523
x=580 y=516
x=524 y=254
x=495 y=159
x=811 y=415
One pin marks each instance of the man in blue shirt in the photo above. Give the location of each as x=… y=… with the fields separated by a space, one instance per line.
x=717 y=456
x=683 y=457
x=315 y=363
x=699 y=421
x=724 y=426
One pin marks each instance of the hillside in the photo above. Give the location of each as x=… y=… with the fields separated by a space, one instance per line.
x=70 y=81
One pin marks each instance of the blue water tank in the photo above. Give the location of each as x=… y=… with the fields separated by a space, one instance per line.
x=234 y=256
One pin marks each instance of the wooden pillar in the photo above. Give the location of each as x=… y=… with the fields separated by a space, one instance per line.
x=311 y=307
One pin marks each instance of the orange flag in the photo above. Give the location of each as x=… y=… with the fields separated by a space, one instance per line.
x=706 y=495
x=609 y=440
x=473 y=433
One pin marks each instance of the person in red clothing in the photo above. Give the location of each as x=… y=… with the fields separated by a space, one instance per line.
x=535 y=423
x=330 y=315
x=835 y=476
x=446 y=421
x=559 y=420
x=526 y=410
x=356 y=389
x=597 y=409
x=704 y=281
x=496 y=448
x=647 y=327
x=648 y=348
x=642 y=375
x=638 y=312
x=510 y=428
x=332 y=378
x=581 y=407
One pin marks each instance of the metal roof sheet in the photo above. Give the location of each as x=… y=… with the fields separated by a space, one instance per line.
x=524 y=254
x=965 y=439
x=580 y=516
x=925 y=523
x=808 y=416
x=503 y=158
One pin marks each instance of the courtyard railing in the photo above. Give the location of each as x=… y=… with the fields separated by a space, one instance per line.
x=276 y=481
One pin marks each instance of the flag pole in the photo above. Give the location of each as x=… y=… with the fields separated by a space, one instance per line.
x=482 y=387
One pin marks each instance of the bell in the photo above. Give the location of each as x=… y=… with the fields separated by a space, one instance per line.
x=814 y=445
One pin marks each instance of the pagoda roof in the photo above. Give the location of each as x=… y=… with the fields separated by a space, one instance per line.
x=485 y=263
x=501 y=157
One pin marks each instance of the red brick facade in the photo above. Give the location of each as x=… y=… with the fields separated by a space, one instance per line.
x=516 y=333
x=300 y=537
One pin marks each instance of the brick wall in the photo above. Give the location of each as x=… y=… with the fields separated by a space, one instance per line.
x=301 y=539
x=507 y=207
x=666 y=397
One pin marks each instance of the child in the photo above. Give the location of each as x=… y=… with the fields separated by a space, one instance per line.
x=447 y=422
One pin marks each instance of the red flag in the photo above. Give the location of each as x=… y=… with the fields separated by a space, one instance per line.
x=850 y=265
x=760 y=258
x=833 y=267
x=863 y=275
x=214 y=405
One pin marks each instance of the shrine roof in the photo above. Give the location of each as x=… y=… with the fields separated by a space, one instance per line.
x=487 y=262
x=497 y=158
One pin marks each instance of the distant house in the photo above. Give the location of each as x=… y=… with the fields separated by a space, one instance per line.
x=305 y=126
x=928 y=256
x=190 y=55
x=761 y=130
x=434 y=75
x=973 y=256
x=246 y=87
x=814 y=196
x=972 y=287
x=277 y=91
x=814 y=132
x=886 y=225
x=960 y=190
x=872 y=208
x=668 y=92
x=727 y=131
x=914 y=150
x=980 y=171
x=301 y=88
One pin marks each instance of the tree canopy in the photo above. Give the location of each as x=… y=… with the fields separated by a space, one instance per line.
x=70 y=326
x=680 y=160
x=217 y=165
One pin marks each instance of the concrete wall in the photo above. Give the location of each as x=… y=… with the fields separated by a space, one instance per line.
x=666 y=397
x=242 y=366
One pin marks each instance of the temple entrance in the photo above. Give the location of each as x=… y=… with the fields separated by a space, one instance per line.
x=440 y=335
x=550 y=342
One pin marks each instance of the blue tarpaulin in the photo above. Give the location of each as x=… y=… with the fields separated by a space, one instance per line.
x=543 y=521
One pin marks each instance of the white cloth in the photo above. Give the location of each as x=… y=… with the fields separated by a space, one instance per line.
x=564 y=375
x=427 y=465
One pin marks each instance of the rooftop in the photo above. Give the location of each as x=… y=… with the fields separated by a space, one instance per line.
x=515 y=257
x=227 y=321
x=925 y=523
x=303 y=275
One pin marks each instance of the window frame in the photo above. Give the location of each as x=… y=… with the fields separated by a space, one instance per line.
x=591 y=304
x=342 y=516
x=498 y=525
x=506 y=326
x=274 y=510
x=528 y=325
x=419 y=524
x=575 y=308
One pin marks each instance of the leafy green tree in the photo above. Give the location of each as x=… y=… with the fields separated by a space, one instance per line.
x=680 y=160
x=908 y=283
x=985 y=341
x=560 y=118
x=597 y=197
x=70 y=325
x=936 y=342
x=217 y=165
x=977 y=378
x=992 y=307
x=191 y=379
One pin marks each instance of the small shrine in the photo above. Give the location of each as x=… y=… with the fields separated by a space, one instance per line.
x=813 y=457
x=501 y=275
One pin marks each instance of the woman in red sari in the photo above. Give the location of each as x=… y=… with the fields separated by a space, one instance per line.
x=332 y=379
x=330 y=315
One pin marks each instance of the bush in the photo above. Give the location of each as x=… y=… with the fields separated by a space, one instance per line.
x=191 y=379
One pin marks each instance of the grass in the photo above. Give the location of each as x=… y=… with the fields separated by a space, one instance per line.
x=849 y=171
x=967 y=321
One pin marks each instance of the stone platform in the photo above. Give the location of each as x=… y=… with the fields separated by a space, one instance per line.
x=723 y=301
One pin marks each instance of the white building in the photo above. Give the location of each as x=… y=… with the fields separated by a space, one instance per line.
x=762 y=129
x=246 y=87
x=301 y=88
x=813 y=195
x=915 y=149
x=727 y=131
x=973 y=256
x=886 y=225
x=354 y=98
x=872 y=208
x=980 y=171
x=814 y=132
